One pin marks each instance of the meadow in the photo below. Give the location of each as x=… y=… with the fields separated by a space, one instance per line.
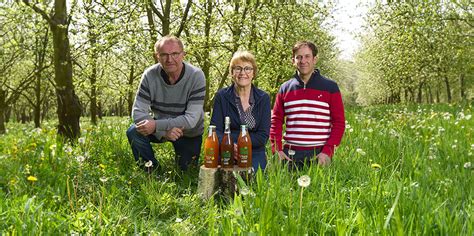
x=403 y=170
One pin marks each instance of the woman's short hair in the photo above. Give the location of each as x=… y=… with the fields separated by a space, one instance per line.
x=244 y=56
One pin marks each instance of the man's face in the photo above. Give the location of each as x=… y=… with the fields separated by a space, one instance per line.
x=171 y=56
x=304 y=61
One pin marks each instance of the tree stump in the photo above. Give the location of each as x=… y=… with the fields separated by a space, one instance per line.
x=221 y=181
x=208 y=182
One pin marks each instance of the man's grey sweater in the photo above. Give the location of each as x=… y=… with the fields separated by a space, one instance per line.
x=178 y=105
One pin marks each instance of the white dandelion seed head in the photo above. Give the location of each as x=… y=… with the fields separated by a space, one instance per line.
x=80 y=159
x=467 y=165
x=178 y=220
x=149 y=164
x=103 y=179
x=244 y=191
x=360 y=151
x=82 y=140
x=304 y=181
x=68 y=149
x=291 y=152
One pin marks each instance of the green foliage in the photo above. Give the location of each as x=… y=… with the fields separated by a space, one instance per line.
x=399 y=170
x=417 y=52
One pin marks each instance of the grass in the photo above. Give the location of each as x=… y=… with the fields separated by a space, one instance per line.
x=400 y=170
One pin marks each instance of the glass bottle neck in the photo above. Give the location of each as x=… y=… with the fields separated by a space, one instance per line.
x=227 y=128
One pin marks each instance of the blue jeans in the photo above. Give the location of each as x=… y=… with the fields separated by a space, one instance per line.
x=187 y=149
x=302 y=158
x=259 y=159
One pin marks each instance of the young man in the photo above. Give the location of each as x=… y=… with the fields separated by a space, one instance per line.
x=174 y=91
x=312 y=106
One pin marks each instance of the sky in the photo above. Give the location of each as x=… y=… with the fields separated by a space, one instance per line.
x=349 y=20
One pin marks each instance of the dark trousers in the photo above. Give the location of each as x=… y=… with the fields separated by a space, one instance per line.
x=302 y=158
x=187 y=149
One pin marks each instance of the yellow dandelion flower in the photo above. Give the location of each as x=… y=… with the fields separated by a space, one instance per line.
x=32 y=178
x=102 y=166
x=376 y=166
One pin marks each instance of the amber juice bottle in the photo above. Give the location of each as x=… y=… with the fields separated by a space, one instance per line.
x=227 y=147
x=244 y=146
x=211 y=149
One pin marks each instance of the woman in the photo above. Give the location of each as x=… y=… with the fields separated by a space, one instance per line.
x=245 y=105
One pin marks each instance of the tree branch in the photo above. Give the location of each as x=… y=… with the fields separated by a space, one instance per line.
x=183 y=19
x=39 y=10
x=155 y=10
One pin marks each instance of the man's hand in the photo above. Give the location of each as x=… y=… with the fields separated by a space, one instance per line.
x=174 y=133
x=283 y=156
x=146 y=127
x=323 y=159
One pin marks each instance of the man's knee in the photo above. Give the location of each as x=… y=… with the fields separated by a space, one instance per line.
x=132 y=132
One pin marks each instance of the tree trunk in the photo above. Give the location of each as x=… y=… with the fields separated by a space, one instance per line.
x=207 y=62
x=430 y=95
x=448 y=88
x=37 y=105
x=151 y=25
x=69 y=107
x=437 y=96
x=463 y=87
x=3 y=109
x=130 y=97
x=420 y=93
x=93 y=105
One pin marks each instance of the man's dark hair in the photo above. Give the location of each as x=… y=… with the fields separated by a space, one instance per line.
x=309 y=44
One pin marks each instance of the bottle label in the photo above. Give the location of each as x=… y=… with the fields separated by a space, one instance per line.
x=226 y=157
x=243 y=152
x=209 y=155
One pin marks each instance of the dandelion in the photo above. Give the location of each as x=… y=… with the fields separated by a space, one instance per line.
x=149 y=164
x=36 y=130
x=102 y=166
x=467 y=165
x=244 y=191
x=304 y=181
x=360 y=151
x=80 y=159
x=376 y=166
x=178 y=220
x=291 y=152
x=32 y=178
x=82 y=140
x=103 y=179
x=68 y=149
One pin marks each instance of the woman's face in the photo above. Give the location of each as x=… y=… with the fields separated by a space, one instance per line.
x=242 y=74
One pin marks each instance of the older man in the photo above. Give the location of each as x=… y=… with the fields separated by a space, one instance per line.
x=174 y=91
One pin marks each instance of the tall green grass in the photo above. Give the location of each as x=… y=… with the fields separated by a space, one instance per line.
x=400 y=170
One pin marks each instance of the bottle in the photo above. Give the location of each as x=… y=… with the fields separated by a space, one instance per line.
x=211 y=148
x=244 y=147
x=227 y=147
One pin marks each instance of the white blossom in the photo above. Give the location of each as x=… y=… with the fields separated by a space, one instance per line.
x=304 y=181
